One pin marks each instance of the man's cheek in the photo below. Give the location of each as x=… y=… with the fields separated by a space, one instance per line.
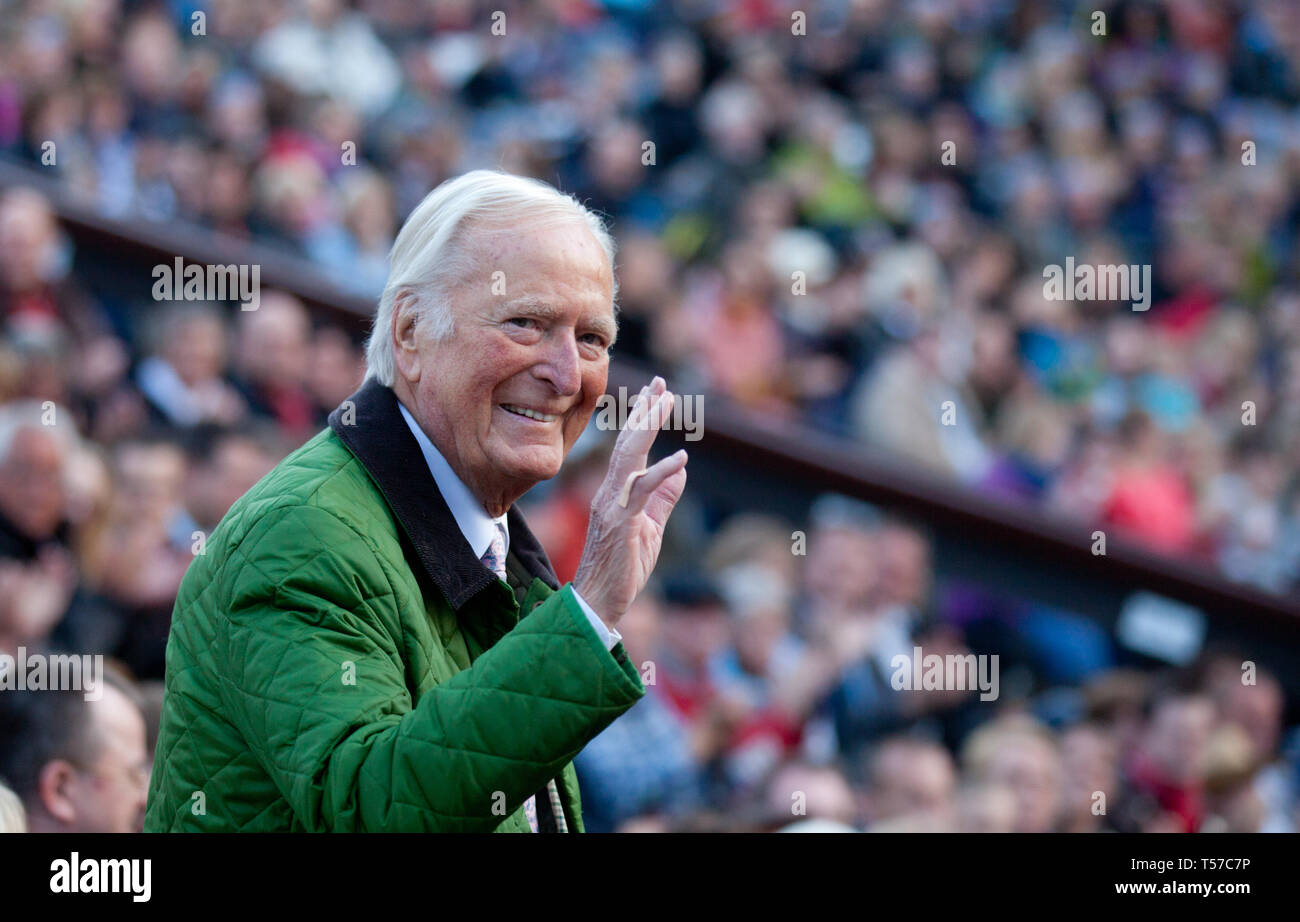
x=578 y=422
x=592 y=390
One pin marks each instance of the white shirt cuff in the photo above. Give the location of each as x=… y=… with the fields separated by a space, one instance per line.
x=608 y=635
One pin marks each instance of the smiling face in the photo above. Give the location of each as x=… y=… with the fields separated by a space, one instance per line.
x=508 y=392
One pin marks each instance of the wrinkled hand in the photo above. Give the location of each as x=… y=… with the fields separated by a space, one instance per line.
x=623 y=541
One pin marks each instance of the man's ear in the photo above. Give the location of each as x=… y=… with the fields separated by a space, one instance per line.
x=53 y=786
x=406 y=346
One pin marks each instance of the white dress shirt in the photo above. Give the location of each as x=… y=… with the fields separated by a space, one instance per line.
x=474 y=522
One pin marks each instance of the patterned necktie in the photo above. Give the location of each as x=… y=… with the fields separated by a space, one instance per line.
x=494 y=558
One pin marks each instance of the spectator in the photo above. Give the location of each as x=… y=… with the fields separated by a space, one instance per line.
x=757 y=669
x=1149 y=499
x=1090 y=778
x=1232 y=802
x=910 y=784
x=643 y=764
x=140 y=552
x=1167 y=771
x=323 y=48
x=38 y=577
x=271 y=363
x=77 y=765
x=223 y=466
x=34 y=286
x=1023 y=756
x=694 y=629
x=797 y=790
x=183 y=382
x=1255 y=704
x=335 y=369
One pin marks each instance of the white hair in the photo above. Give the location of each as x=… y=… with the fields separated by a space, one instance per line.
x=13 y=818
x=42 y=416
x=429 y=257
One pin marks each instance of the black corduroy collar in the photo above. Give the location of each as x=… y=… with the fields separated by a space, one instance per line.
x=370 y=424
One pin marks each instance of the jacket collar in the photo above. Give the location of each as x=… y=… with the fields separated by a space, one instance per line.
x=370 y=424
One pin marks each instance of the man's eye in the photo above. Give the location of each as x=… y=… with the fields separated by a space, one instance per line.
x=525 y=322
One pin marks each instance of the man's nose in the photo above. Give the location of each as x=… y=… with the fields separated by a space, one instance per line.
x=561 y=364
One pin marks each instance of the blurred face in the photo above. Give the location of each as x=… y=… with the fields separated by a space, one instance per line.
x=508 y=392
x=826 y=795
x=150 y=481
x=26 y=235
x=644 y=264
x=640 y=629
x=109 y=794
x=1179 y=737
x=213 y=488
x=678 y=67
x=151 y=52
x=1257 y=709
x=842 y=566
x=1088 y=765
x=911 y=780
x=31 y=484
x=994 y=359
x=335 y=369
x=371 y=219
x=695 y=634
x=227 y=188
x=1031 y=770
x=197 y=350
x=275 y=342
x=756 y=636
x=987 y=808
x=905 y=565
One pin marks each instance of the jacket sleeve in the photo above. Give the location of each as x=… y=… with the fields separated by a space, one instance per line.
x=313 y=677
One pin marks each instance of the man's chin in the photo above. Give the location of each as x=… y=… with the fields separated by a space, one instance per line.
x=533 y=468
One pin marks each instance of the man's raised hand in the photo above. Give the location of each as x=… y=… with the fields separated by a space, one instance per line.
x=630 y=510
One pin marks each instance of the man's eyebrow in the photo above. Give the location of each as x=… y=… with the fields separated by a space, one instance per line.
x=533 y=306
x=606 y=328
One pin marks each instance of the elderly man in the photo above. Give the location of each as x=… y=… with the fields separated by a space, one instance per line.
x=38 y=577
x=373 y=639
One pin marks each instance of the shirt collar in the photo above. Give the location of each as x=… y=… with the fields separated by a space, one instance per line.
x=472 y=519
x=369 y=426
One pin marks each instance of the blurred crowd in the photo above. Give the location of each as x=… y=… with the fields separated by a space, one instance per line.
x=773 y=704
x=776 y=700
x=844 y=228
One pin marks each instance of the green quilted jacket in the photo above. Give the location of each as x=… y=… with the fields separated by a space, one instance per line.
x=340 y=660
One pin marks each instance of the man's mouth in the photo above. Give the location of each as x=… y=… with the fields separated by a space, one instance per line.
x=529 y=414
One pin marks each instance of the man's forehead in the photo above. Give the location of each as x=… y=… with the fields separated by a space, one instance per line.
x=543 y=235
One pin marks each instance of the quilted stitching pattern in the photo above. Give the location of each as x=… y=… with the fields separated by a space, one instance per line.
x=307 y=574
